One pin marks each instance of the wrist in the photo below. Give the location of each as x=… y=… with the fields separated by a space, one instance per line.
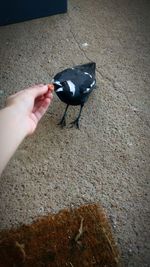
x=18 y=119
x=13 y=129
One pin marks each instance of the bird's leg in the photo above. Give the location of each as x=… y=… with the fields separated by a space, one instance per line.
x=63 y=120
x=76 y=121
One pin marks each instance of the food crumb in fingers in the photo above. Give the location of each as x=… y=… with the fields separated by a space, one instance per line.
x=51 y=87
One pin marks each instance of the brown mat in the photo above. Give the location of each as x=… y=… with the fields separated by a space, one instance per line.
x=75 y=238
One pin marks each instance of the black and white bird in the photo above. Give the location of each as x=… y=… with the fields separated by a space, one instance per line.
x=73 y=86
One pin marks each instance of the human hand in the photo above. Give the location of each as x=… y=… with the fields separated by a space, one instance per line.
x=31 y=104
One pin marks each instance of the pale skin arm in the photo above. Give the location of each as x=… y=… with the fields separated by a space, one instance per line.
x=20 y=118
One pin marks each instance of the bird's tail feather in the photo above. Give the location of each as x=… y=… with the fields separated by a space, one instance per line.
x=88 y=67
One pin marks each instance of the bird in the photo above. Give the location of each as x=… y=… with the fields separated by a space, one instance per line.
x=73 y=87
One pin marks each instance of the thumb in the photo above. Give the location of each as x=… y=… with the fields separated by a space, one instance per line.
x=38 y=90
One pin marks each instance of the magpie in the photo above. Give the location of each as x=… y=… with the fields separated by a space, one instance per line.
x=73 y=86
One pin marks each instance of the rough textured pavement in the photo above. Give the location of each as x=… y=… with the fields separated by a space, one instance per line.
x=107 y=160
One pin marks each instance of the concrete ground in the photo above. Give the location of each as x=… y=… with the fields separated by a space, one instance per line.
x=107 y=160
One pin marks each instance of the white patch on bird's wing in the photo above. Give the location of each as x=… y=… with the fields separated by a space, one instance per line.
x=92 y=84
x=71 y=87
x=52 y=81
x=87 y=90
x=60 y=89
x=88 y=74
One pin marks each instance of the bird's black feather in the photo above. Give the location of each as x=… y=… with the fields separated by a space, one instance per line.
x=88 y=67
x=74 y=85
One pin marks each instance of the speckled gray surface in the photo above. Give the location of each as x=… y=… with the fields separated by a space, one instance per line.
x=107 y=160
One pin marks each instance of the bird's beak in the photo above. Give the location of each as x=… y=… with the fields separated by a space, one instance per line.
x=57 y=85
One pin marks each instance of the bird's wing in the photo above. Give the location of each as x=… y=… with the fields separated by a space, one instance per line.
x=64 y=75
x=82 y=80
x=86 y=83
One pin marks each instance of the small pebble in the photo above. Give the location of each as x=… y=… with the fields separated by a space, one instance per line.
x=130 y=251
x=84 y=44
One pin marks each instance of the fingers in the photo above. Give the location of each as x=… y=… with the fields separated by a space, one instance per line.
x=40 y=101
x=33 y=101
x=41 y=109
x=35 y=91
x=38 y=90
x=41 y=89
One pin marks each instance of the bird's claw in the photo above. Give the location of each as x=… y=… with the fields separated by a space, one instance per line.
x=62 y=123
x=76 y=123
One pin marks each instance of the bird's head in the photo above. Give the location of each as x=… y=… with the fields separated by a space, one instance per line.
x=65 y=87
x=59 y=87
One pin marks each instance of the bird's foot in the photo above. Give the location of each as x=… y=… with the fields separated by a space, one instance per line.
x=76 y=123
x=62 y=123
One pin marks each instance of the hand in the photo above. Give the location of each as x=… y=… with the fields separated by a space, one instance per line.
x=31 y=104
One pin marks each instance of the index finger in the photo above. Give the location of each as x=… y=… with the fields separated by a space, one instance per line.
x=38 y=90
